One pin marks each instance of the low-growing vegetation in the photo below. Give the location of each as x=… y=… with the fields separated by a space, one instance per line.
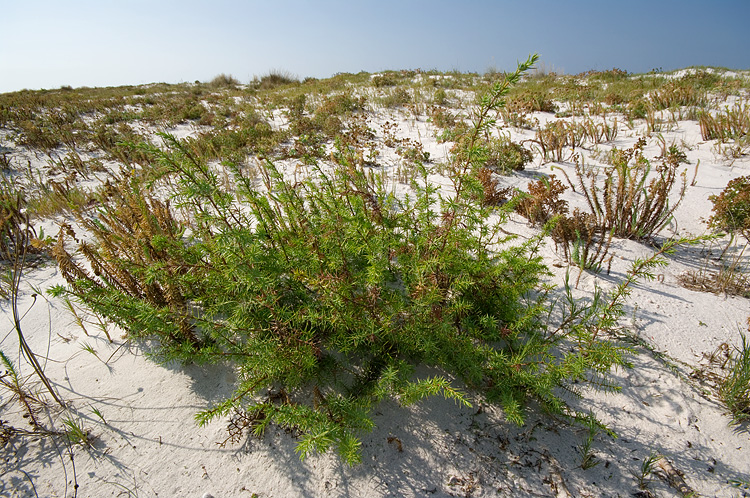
x=343 y=242
x=319 y=341
x=630 y=202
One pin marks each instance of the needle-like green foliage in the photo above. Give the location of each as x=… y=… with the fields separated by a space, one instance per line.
x=329 y=294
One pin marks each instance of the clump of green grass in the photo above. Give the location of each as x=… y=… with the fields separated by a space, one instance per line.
x=224 y=81
x=645 y=473
x=274 y=79
x=734 y=388
x=76 y=433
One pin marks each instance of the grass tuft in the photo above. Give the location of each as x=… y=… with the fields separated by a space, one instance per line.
x=735 y=386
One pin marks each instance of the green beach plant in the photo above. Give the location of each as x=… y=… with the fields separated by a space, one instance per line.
x=631 y=202
x=734 y=388
x=592 y=426
x=647 y=469
x=731 y=208
x=329 y=294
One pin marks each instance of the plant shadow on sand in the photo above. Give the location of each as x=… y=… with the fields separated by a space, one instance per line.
x=437 y=448
x=657 y=401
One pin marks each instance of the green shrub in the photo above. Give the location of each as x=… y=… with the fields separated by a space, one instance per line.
x=631 y=203
x=500 y=155
x=382 y=80
x=397 y=97
x=731 y=207
x=637 y=109
x=440 y=97
x=326 y=294
x=505 y=156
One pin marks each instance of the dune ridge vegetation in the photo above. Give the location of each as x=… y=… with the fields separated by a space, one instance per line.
x=289 y=229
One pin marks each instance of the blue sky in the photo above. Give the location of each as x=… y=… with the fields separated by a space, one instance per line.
x=49 y=43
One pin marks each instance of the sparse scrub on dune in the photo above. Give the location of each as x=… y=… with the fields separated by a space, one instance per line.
x=609 y=75
x=274 y=79
x=453 y=125
x=631 y=200
x=731 y=124
x=224 y=81
x=327 y=293
x=335 y=261
x=327 y=122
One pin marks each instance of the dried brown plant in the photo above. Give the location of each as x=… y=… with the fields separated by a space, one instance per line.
x=583 y=242
x=543 y=202
x=733 y=123
x=493 y=194
x=133 y=233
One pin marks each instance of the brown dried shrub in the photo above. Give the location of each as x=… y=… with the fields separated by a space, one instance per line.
x=493 y=194
x=134 y=234
x=543 y=202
